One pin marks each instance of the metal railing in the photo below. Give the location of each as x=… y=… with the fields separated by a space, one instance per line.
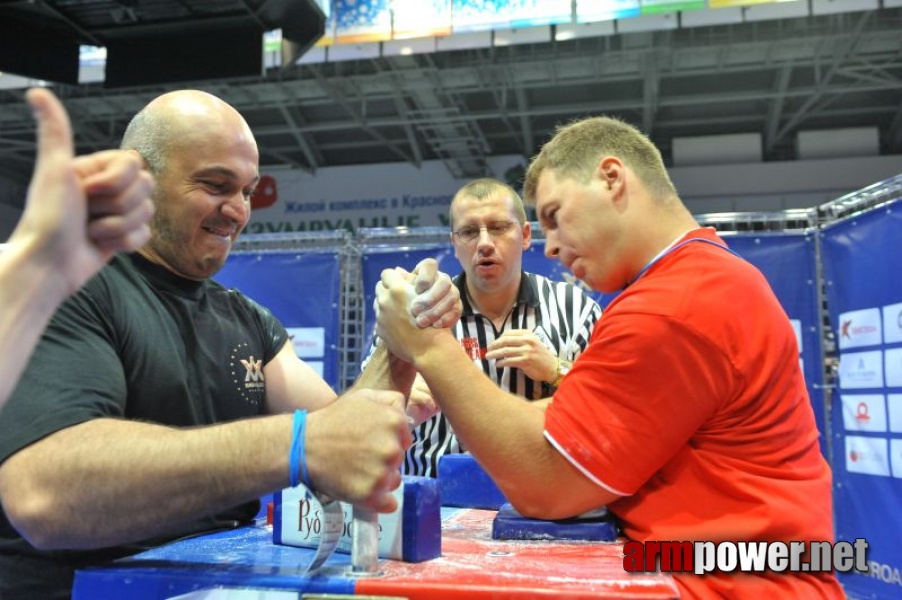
x=866 y=199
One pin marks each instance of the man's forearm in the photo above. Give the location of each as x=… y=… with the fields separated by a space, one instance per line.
x=515 y=455
x=528 y=469
x=475 y=405
x=29 y=295
x=385 y=371
x=108 y=482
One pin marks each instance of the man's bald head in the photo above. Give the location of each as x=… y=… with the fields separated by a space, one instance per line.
x=178 y=119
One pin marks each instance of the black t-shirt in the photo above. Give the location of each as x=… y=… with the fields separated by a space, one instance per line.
x=137 y=342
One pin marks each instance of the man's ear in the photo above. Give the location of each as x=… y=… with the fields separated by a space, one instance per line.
x=610 y=171
x=140 y=157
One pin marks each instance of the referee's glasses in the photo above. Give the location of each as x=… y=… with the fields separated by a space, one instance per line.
x=468 y=233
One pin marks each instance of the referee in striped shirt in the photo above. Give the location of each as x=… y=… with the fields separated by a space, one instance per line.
x=523 y=329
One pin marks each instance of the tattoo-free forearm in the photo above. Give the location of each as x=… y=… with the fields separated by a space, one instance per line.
x=108 y=482
x=506 y=435
x=385 y=371
x=30 y=291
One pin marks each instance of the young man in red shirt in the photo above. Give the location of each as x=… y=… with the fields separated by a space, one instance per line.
x=687 y=415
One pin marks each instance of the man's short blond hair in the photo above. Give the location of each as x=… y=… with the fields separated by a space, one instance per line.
x=485 y=187
x=576 y=149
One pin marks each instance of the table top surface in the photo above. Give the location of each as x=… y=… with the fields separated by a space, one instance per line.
x=472 y=565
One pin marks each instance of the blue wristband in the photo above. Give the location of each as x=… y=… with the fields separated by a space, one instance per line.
x=296 y=456
x=302 y=452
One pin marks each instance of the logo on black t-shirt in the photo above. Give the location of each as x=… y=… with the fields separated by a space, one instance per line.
x=247 y=374
x=254 y=371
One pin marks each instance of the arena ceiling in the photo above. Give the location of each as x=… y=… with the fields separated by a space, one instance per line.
x=774 y=78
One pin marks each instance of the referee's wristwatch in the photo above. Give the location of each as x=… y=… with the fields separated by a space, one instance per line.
x=563 y=367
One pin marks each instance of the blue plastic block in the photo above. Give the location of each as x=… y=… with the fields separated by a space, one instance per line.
x=465 y=483
x=511 y=525
x=421 y=534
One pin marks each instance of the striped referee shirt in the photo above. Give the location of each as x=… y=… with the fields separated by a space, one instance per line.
x=560 y=313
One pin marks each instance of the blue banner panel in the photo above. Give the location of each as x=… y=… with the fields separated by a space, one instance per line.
x=302 y=290
x=864 y=296
x=789 y=263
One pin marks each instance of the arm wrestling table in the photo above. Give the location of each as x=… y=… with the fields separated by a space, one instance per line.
x=472 y=566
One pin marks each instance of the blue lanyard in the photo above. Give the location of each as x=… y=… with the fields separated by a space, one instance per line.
x=673 y=249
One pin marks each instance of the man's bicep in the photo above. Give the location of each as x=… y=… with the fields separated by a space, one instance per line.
x=291 y=384
x=586 y=491
x=567 y=491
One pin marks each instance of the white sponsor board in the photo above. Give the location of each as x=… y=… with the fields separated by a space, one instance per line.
x=864 y=412
x=861 y=370
x=308 y=342
x=892 y=323
x=895 y=451
x=893 y=367
x=302 y=524
x=867 y=455
x=797 y=329
x=894 y=403
x=859 y=328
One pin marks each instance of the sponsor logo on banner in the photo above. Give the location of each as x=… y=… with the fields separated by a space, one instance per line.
x=861 y=370
x=892 y=323
x=894 y=402
x=893 y=367
x=797 y=329
x=864 y=412
x=895 y=452
x=308 y=341
x=887 y=573
x=860 y=328
x=867 y=455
